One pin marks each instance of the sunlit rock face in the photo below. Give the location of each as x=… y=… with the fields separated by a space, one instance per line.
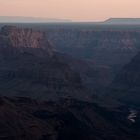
x=18 y=37
x=24 y=39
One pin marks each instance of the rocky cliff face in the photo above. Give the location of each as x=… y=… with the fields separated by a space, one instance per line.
x=126 y=86
x=29 y=67
x=105 y=47
x=21 y=39
x=105 y=52
x=34 y=71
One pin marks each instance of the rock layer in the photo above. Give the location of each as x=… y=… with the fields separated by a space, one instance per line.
x=29 y=67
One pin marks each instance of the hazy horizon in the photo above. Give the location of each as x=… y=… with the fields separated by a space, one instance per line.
x=80 y=10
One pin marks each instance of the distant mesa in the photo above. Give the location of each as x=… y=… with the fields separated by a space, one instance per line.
x=122 y=21
x=16 y=19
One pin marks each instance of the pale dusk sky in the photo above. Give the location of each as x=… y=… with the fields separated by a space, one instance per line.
x=79 y=10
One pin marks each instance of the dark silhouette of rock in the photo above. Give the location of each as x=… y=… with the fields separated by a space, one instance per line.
x=25 y=119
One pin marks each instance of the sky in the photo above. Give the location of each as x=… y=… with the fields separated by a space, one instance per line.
x=77 y=10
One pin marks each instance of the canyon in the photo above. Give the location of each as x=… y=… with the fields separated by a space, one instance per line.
x=106 y=51
x=60 y=84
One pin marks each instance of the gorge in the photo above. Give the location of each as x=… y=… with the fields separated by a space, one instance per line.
x=68 y=85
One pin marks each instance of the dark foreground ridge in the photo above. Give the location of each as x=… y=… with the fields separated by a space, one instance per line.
x=26 y=119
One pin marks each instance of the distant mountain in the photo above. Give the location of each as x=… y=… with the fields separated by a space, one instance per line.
x=123 y=21
x=16 y=19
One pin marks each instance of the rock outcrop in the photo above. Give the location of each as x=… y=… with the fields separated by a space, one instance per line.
x=21 y=39
x=29 y=67
x=126 y=85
